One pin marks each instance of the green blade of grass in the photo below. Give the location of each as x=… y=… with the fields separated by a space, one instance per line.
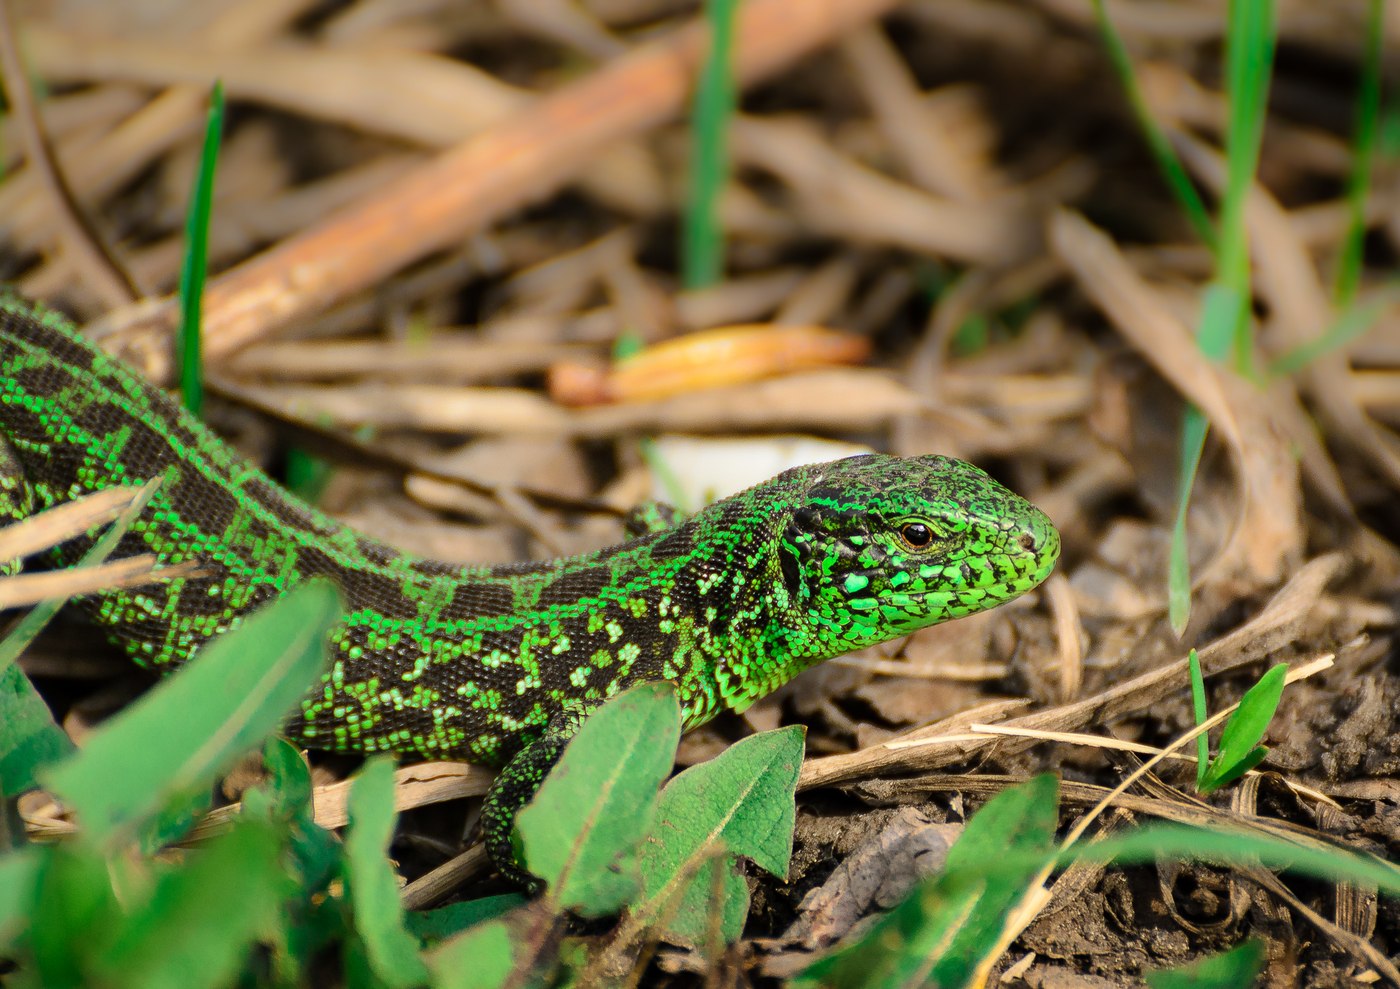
x=194 y=265
x=1249 y=56
x=1227 y=846
x=1198 y=708
x=1368 y=108
x=1224 y=327
x=702 y=247
x=1173 y=172
x=1351 y=325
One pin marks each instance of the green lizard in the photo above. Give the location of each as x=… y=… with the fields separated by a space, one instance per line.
x=498 y=665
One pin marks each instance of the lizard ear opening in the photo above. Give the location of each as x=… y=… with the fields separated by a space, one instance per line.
x=792 y=572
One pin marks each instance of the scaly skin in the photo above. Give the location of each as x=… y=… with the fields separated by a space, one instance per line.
x=498 y=665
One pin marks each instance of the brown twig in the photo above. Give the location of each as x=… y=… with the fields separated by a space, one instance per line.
x=487 y=176
x=95 y=264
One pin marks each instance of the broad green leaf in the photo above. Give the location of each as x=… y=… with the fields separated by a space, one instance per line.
x=283 y=800
x=1018 y=821
x=1237 y=968
x=867 y=962
x=581 y=831
x=480 y=958
x=902 y=947
x=192 y=726
x=72 y=914
x=739 y=803
x=1244 y=730
x=941 y=931
x=202 y=918
x=389 y=952
x=29 y=738
x=453 y=919
x=285 y=793
x=17 y=876
x=180 y=813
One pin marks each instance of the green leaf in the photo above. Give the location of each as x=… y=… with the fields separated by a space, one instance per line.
x=1193 y=444
x=481 y=958
x=29 y=738
x=203 y=918
x=950 y=921
x=453 y=919
x=1368 y=109
x=193 y=725
x=1018 y=821
x=390 y=953
x=1229 y=775
x=180 y=813
x=1249 y=57
x=581 y=831
x=18 y=872
x=1244 y=730
x=73 y=913
x=739 y=803
x=1237 y=968
x=284 y=798
x=284 y=795
x=901 y=948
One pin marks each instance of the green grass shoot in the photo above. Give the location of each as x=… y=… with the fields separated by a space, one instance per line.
x=702 y=241
x=1199 y=711
x=194 y=265
x=1224 y=330
x=1158 y=144
x=1240 y=750
x=1368 y=108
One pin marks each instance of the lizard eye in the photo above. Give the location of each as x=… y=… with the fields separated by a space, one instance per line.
x=916 y=535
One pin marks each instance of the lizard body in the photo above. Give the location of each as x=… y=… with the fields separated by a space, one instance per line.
x=497 y=665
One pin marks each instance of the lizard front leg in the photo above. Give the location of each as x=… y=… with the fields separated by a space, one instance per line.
x=514 y=787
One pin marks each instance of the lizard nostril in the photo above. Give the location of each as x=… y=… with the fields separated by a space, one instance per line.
x=1028 y=542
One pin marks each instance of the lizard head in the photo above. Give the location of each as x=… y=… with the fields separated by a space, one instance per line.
x=880 y=546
